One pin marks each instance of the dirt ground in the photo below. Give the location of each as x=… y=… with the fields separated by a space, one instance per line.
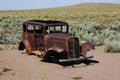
x=17 y=66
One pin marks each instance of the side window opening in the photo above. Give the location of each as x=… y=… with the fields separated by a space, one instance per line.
x=30 y=29
x=55 y=29
x=64 y=29
x=38 y=29
x=58 y=29
x=51 y=29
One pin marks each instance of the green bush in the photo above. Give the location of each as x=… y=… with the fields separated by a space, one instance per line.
x=112 y=46
x=11 y=31
x=6 y=69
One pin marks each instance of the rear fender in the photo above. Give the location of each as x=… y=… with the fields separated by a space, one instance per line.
x=24 y=44
x=21 y=46
x=86 y=47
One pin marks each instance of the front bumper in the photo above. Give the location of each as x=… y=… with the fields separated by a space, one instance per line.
x=75 y=59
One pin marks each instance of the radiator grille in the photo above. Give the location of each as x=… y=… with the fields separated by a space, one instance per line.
x=73 y=47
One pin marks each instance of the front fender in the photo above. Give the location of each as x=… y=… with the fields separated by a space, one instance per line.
x=86 y=47
x=56 y=49
x=53 y=51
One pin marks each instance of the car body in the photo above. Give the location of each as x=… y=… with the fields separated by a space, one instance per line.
x=51 y=38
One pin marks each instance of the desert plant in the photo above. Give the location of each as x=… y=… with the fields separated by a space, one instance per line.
x=77 y=78
x=112 y=46
x=6 y=69
x=1 y=48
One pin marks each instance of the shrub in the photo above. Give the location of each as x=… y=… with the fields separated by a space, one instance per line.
x=11 y=31
x=6 y=69
x=1 y=48
x=112 y=45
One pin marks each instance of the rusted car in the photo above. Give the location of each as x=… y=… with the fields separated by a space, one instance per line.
x=51 y=38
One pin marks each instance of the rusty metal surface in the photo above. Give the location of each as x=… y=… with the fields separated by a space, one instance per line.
x=86 y=47
x=25 y=44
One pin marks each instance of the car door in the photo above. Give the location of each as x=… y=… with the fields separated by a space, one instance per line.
x=30 y=36
x=39 y=38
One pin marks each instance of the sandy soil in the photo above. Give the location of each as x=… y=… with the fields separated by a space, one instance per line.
x=103 y=66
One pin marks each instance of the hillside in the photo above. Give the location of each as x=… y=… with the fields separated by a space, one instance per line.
x=97 y=6
x=85 y=16
x=81 y=12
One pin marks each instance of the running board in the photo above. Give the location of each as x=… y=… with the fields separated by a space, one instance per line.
x=75 y=59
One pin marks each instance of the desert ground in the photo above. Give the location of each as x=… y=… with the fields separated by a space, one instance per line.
x=17 y=66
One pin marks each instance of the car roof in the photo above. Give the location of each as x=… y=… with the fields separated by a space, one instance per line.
x=46 y=22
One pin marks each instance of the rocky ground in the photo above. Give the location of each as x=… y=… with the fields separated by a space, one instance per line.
x=17 y=66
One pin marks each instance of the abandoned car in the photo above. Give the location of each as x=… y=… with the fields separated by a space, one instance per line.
x=51 y=38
